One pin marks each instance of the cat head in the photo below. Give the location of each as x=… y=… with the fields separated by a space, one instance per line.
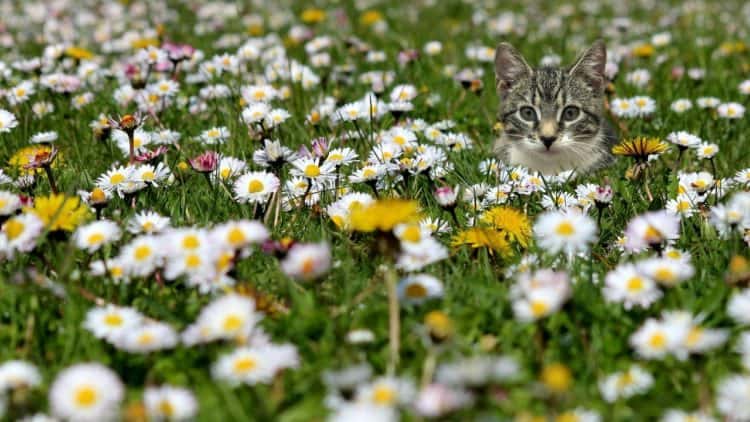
x=551 y=111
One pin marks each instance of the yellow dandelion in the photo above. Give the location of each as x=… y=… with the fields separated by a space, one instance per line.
x=79 y=53
x=255 y=30
x=512 y=222
x=370 y=17
x=59 y=212
x=140 y=43
x=556 y=377
x=439 y=325
x=643 y=50
x=383 y=215
x=640 y=148
x=482 y=237
x=26 y=155
x=732 y=47
x=313 y=15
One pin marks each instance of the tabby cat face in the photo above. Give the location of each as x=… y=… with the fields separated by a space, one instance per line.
x=552 y=117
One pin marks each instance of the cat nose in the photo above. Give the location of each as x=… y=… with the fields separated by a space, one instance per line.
x=548 y=140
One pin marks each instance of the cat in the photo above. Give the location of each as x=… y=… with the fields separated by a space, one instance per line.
x=553 y=118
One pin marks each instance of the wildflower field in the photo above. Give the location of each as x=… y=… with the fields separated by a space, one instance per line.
x=295 y=211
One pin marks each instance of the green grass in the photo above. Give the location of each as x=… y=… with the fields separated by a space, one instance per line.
x=589 y=335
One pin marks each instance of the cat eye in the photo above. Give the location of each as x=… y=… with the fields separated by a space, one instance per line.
x=527 y=113
x=570 y=113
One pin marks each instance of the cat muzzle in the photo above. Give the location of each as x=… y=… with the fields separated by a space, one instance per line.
x=548 y=140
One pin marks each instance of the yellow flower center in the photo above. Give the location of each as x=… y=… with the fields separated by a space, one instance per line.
x=193 y=261
x=312 y=170
x=95 y=239
x=308 y=266
x=538 y=308
x=148 y=175
x=412 y=234
x=13 y=228
x=657 y=341
x=86 y=396
x=255 y=186
x=416 y=290
x=664 y=275
x=635 y=284
x=113 y=320
x=146 y=338
x=224 y=261
x=625 y=380
x=652 y=235
x=368 y=172
x=694 y=336
x=142 y=252
x=232 y=323
x=225 y=172
x=213 y=133
x=244 y=365
x=565 y=229
x=166 y=408
x=116 y=178
x=383 y=395
x=335 y=157
x=190 y=242
x=236 y=236
x=400 y=140
x=98 y=195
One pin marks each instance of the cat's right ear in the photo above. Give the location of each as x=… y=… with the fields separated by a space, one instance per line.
x=510 y=67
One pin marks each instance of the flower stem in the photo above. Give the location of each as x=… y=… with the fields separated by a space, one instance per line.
x=51 y=178
x=428 y=370
x=131 y=144
x=394 y=322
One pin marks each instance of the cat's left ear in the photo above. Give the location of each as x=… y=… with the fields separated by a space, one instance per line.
x=590 y=66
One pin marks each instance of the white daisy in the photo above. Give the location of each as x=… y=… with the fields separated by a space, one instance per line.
x=255 y=364
x=15 y=374
x=568 y=231
x=9 y=203
x=307 y=261
x=7 y=121
x=627 y=286
x=147 y=222
x=170 y=403
x=255 y=187
x=86 y=392
x=94 y=235
x=44 y=137
x=110 y=321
